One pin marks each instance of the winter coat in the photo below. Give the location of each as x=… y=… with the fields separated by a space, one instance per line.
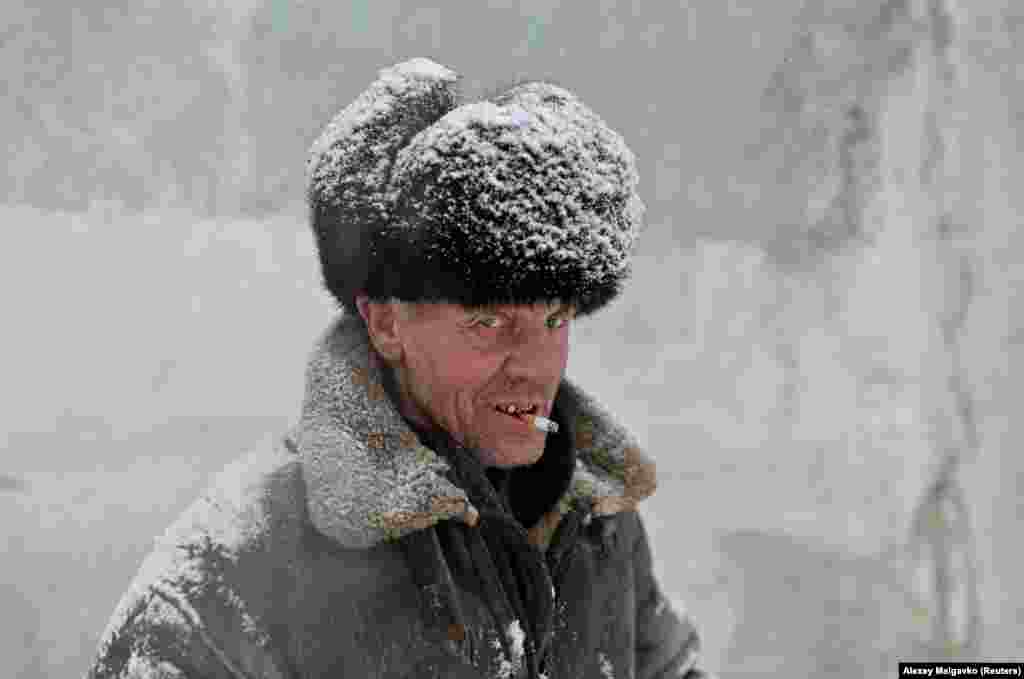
x=316 y=556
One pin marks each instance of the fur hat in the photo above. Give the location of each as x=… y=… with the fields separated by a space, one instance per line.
x=522 y=198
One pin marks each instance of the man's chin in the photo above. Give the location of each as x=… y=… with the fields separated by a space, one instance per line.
x=509 y=457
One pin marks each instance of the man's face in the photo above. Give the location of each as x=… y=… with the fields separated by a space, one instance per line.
x=457 y=365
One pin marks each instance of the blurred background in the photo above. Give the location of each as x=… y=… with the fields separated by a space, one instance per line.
x=817 y=347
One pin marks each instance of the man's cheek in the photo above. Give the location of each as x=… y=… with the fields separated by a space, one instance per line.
x=470 y=378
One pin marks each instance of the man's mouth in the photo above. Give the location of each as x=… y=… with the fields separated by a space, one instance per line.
x=515 y=410
x=529 y=414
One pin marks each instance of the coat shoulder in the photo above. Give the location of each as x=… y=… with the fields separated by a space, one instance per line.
x=242 y=583
x=195 y=600
x=257 y=500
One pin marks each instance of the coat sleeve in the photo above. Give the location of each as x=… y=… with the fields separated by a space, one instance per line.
x=158 y=632
x=667 y=643
x=155 y=634
x=152 y=636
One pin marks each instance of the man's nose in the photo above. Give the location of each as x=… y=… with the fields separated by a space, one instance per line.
x=537 y=355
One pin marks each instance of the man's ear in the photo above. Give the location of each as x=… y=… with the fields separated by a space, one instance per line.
x=381 y=320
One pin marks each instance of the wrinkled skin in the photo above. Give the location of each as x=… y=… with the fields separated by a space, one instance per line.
x=453 y=364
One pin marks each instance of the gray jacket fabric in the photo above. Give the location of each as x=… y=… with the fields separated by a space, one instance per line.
x=322 y=555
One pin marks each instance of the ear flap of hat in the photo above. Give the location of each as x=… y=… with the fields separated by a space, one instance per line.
x=350 y=165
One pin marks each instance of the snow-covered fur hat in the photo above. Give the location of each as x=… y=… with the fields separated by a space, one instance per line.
x=522 y=198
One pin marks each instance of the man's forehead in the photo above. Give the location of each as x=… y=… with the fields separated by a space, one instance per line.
x=538 y=307
x=443 y=311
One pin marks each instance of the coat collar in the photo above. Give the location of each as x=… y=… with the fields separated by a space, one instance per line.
x=370 y=480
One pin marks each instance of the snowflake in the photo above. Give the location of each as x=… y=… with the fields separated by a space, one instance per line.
x=508 y=668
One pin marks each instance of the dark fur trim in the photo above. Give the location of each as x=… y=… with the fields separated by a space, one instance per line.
x=522 y=198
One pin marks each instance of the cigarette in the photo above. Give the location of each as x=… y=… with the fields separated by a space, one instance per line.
x=542 y=423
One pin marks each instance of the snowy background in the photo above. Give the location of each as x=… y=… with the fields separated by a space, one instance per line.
x=785 y=350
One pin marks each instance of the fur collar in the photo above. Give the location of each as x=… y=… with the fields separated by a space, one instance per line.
x=370 y=480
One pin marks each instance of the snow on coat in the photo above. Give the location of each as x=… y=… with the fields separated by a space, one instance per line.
x=290 y=565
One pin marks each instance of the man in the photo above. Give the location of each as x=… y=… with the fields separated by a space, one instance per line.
x=424 y=518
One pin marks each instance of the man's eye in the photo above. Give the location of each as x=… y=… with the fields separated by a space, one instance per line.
x=488 y=321
x=495 y=322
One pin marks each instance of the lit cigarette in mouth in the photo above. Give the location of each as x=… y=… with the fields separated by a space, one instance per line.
x=541 y=423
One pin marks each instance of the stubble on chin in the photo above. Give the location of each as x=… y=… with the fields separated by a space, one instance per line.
x=517 y=456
